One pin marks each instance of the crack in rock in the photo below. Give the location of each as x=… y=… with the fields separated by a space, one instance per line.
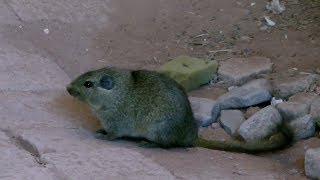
x=12 y=9
x=26 y=145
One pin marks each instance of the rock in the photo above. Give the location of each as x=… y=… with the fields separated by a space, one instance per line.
x=251 y=111
x=292 y=110
x=231 y=120
x=293 y=171
x=190 y=72
x=250 y=94
x=304 y=98
x=286 y=87
x=23 y=71
x=7 y=16
x=17 y=163
x=302 y=128
x=312 y=163
x=215 y=125
x=44 y=109
x=76 y=154
x=237 y=71
x=81 y=11
x=275 y=7
x=205 y=110
x=261 y=125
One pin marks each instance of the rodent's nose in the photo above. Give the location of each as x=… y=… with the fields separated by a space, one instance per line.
x=72 y=91
x=69 y=88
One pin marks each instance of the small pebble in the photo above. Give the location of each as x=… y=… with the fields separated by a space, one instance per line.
x=231 y=88
x=293 y=171
x=215 y=125
x=263 y=28
x=46 y=31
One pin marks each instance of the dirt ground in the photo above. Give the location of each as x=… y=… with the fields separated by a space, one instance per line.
x=145 y=34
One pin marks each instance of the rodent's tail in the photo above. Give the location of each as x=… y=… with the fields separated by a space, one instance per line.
x=275 y=142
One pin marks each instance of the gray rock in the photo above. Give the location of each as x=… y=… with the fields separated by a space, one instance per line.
x=293 y=171
x=261 y=125
x=286 y=87
x=251 y=111
x=250 y=94
x=304 y=98
x=312 y=163
x=205 y=110
x=231 y=120
x=237 y=71
x=215 y=125
x=292 y=110
x=303 y=127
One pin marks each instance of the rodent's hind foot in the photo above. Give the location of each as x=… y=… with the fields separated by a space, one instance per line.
x=101 y=131
x=100 y=136
x=103 y=135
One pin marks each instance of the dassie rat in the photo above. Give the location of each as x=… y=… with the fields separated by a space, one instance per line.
x=149 y=105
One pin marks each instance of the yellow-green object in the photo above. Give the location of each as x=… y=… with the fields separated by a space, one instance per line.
x=190 y=72
x=318 y=121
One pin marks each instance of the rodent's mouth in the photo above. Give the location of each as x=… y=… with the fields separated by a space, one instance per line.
x=72 y=91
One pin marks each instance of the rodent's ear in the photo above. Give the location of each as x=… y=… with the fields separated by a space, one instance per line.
x=107 y=82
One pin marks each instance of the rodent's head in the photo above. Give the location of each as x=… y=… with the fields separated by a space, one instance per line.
x=99 y=86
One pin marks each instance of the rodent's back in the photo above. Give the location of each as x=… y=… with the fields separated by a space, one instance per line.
x=164 y=108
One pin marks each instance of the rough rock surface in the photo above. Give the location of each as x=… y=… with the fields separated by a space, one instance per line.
x=250 y=94
x=304 y=98
x=231 y=120
x=205 y=110
x=39 y=73
x=261 y=125
x=312 y=163
x=284 y=88
x=303 y=127
x=41 y=134
x=237 y=71
x=18 y=163
x=65 y=152
x=60 y=10
x=292 y=110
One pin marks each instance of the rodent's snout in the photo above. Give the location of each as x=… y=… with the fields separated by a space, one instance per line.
x=72 y=91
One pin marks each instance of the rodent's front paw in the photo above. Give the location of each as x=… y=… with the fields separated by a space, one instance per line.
x=101 y=131
x=103 y=135
x=146 y=144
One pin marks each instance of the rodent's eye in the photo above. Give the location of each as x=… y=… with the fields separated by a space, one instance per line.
x=88 y=84
x=107 y=82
